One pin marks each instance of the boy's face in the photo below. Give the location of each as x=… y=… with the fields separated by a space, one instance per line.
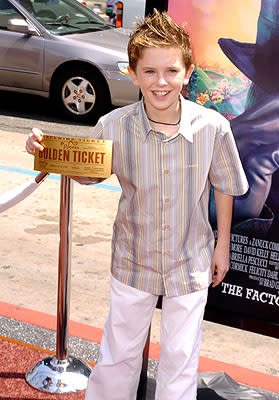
x=160 y=74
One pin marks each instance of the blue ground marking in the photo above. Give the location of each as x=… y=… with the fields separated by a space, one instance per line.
x=55 y=177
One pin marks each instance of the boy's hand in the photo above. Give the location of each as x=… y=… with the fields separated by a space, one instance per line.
x=33 y=141
x=86 y=180
x=220 y=264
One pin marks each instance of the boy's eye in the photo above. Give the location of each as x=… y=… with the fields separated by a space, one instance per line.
x=172 y=70
x=149 y=71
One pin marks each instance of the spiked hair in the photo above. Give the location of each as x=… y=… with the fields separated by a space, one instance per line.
x=158 y=30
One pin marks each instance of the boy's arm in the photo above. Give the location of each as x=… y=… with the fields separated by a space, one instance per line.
x=87 y=180
x=221 y=255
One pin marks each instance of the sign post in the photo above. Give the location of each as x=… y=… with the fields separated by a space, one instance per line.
x=62 y=373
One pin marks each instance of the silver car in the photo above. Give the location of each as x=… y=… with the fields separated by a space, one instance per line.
x=62 y=50
x=98 y=6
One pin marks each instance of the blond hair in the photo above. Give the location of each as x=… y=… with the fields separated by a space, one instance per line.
x=158 y=30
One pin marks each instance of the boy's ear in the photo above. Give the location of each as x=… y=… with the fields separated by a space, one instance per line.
x=133 y=76
x=188 y=74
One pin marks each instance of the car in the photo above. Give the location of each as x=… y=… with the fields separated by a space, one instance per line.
x=62 y=50
x=129 y=12
x=98 y=6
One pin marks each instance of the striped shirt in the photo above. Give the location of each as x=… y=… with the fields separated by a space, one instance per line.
x=162 y=241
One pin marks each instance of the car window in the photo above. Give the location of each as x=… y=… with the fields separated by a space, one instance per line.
x=7 y=11
x=64 y=16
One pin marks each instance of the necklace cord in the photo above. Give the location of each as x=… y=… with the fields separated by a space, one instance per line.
x=164 y=123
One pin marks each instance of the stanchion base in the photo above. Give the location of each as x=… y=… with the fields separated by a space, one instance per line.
x=59 y=376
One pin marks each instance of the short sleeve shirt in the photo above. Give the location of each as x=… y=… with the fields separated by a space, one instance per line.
x=162 y=241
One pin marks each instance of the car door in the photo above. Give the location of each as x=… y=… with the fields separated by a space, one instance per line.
x=21 y=55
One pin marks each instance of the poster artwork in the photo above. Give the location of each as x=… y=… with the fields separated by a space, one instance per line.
x=237 y=62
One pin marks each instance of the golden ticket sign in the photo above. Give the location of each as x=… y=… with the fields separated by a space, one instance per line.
x=74 y=156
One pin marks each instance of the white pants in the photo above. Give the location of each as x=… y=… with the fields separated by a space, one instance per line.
x=116 y=375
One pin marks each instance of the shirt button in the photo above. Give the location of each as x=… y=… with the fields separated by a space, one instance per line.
x=167 y=200
x=166 y=171
x=166 y=253
x=166 y=227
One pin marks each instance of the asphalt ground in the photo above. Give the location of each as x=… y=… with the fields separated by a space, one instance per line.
x=29 y=259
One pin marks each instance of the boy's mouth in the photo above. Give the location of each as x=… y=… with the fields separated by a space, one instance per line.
x=160 y=93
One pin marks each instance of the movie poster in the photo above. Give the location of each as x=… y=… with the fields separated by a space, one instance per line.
x=236 y=52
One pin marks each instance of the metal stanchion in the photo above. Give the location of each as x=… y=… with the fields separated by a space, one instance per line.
x=61 y=373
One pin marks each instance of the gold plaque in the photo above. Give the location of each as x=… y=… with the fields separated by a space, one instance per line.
x=74 y=156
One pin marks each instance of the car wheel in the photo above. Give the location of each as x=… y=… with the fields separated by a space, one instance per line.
x=81 y=95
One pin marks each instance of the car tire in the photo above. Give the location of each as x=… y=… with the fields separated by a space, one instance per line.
x=81 y=94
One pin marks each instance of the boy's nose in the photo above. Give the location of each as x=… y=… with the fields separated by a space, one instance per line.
x=162 y=80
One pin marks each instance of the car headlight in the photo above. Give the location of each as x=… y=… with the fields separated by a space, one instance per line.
x=123 y=67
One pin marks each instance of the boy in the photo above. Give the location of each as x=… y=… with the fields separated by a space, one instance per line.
x=166 y=152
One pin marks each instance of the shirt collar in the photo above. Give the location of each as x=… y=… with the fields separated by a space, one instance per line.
x=185 y=128
x=146 y=127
